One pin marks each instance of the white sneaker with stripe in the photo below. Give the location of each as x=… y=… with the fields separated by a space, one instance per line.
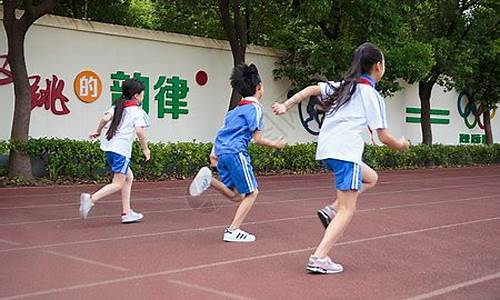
x=238 y=235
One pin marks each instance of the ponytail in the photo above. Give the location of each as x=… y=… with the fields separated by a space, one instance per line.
x=117 y=118
x=130 y=87
x=364 y=57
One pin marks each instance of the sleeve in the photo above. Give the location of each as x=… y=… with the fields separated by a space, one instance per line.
x=327 y=89
x=141 y=119
x=374 y=109
x=254 y=118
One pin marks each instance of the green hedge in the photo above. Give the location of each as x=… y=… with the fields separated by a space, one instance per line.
x=83 y=160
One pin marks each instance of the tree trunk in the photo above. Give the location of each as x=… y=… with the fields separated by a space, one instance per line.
x=238 y=58
x=236 y=29
x=16 y=28
x=487 y=127
x=424 y=92
x=19 y=163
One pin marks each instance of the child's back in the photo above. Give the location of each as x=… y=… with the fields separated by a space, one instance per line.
x=239 y=127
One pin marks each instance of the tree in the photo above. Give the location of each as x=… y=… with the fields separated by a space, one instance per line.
x=16 y=28
x=482 y=81
x=445 y=26
x=135 y=13
x=320 y=37
x=231 y=20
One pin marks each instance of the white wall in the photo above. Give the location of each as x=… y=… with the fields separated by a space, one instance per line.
x=65 y=47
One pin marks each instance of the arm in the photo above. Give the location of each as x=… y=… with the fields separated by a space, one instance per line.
x=143 y=142
x=262 y=141
x=390 y=141
x=282 y=108
x=213 y=157
x=104 y=120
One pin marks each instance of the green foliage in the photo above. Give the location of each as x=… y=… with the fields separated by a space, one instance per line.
x=4 y=147
x=77 y=161
x=320 y=37
x=481 y=79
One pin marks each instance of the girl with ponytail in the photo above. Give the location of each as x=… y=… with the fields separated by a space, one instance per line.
x=350 y=105
x=122 y=123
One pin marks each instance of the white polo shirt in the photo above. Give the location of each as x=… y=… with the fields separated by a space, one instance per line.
x=340 y=136
x=121 y=143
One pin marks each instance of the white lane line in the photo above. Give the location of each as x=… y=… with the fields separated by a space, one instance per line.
x=161 y=233
x=10 y=242
x=455 y=287
x=326 y=178
x=89 y=261
x=239 y=260
x=209 y=290
x=257 y=203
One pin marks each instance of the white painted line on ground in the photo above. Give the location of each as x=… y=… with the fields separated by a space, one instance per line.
x=326 y=181
x=10 y=242
x=455 y=287
x=89 y=261
x=168 y=198
x=233 y=261
x=209 y=290
x=161 y=233
x=257 y=203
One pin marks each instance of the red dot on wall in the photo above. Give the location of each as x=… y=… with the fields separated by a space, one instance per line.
x=201 y=77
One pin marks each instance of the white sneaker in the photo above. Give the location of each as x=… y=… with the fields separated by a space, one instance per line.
x=201 y=182
x=131 y=217
x=323 y=265
x=238 y=235
x=85 y=205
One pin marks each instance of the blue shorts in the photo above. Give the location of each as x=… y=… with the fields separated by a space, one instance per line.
x=235 y=170
x=347 y=174
x=117 y=162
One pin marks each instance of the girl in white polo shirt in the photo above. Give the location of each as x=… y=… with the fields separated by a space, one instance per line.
x=350 y=106
x=122 y=123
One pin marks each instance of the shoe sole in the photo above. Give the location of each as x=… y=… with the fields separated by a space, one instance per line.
x=82 y=205
x=132 y=221
x=191 y=188
x=318 y=270
x=237 y=241
x=325 y=219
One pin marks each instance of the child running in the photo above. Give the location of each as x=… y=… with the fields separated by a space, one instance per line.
x=127 y=120
x=350 y=106
x=241 y=125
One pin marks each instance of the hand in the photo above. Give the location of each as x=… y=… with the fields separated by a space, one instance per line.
x=279 y=143
x=94 y=134
x=404 y=144
x=279 y=108
x=147 y=154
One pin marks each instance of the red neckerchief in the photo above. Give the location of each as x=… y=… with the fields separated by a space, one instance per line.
x=129 y=103
x=245 y=102
x=365 y=81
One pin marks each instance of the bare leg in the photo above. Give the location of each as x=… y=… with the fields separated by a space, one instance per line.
x=114 y=186
x=232 y=195
x=126 y=189
x=243 y=209
x=346 y=207
x=370 y=178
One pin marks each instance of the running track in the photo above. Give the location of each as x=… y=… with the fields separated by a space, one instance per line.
x=420 y=234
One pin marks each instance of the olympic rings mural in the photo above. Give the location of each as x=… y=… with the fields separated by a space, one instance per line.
x=472 y=109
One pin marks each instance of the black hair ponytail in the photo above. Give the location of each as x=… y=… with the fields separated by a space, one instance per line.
x=364 y=57
x=130 y=87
